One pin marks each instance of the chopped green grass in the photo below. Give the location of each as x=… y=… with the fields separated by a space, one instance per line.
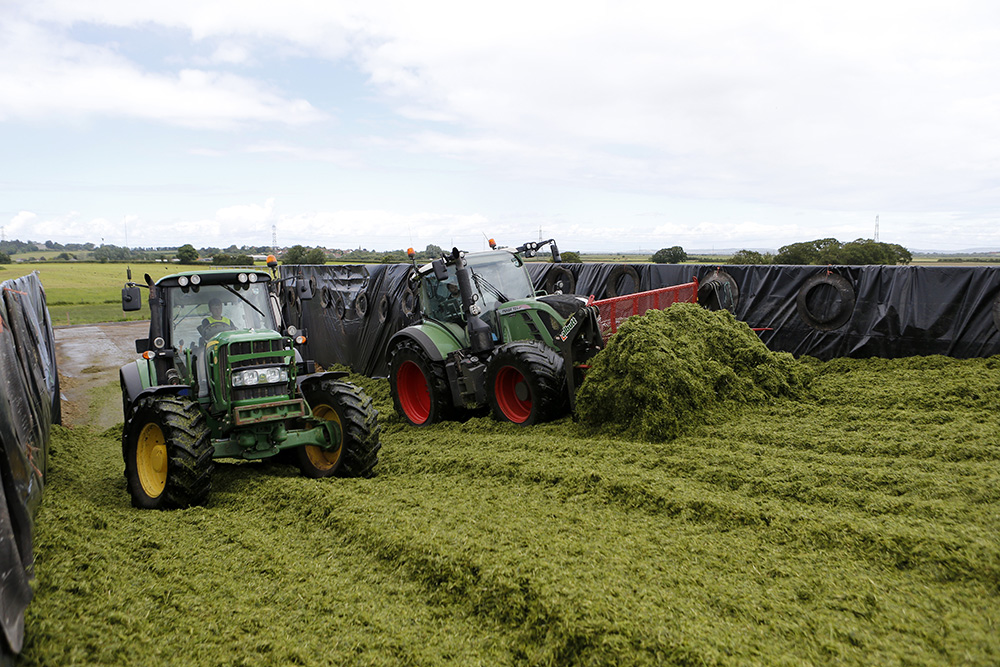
x=856 y=524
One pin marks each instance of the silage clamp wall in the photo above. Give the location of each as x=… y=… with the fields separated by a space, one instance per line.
x=822 y=311
x=29 y=405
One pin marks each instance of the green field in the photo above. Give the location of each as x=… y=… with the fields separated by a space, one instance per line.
x=856 y=525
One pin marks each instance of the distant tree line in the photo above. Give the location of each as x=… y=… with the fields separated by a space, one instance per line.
x=829 y=251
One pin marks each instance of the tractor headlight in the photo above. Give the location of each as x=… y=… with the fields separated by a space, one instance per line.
x=255 y=376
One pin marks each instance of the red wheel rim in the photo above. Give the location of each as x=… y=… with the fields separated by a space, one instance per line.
x=414 y=396
x=508 y=383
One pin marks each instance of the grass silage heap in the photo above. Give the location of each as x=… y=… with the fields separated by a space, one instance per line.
x=667 y=370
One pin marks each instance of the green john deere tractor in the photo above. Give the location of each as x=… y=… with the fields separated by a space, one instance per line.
x=488 y=338
x=219 y=377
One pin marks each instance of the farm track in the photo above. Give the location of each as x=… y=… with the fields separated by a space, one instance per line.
x=858 y=527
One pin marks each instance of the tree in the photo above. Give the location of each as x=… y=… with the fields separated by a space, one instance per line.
x=4 y=258
x=187 y=254
x=298 y=254
x=570 y=257
x=433 y=251
x=672 y=255
x=750 y=257
x=831 y=251
x=294 y=255
x=112 y=253
x=223 y=259
x=316 y=256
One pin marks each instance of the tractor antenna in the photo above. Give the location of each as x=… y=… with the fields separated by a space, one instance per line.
x=876 y=229
x=274 y=239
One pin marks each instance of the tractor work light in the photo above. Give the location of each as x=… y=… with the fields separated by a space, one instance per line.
x=183 y=281
x=242 y=277
x=255 y=376
x=252 y=277
x=195 y=279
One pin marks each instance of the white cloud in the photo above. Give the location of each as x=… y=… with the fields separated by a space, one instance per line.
x=45 y=75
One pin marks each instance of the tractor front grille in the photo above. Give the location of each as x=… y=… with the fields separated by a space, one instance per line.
x=259 y=356
x=260 y=391
x=256 y=347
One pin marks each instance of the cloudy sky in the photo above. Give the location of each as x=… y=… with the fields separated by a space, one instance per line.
x=607 y=125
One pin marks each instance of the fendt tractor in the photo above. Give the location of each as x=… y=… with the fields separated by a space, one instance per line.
x=220 y=377
x=488 y=338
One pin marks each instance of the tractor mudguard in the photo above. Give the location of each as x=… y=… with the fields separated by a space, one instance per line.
x=436 y=341
x=318 y=377
x=134 y=379
x=164 y=389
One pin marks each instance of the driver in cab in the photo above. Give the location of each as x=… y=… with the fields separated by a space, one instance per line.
x=216 y=321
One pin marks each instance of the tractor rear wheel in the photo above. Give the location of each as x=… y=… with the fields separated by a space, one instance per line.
x=419 y=386
x=526 y=383
x=168 y=453
x=357 y=452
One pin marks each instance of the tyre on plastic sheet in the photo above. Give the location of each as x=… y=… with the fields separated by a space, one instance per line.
x=719 y=291
x=325 y=297
x=826 y=301
x=383 y=308
x=526 y=383
x=560 y=281
x=168 y=453
x=338 y=307
x=617 y=283
x=361 y=304
x=356 y=453
x=419 y=385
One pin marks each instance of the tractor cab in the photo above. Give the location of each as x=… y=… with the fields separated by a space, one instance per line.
x=497 y=277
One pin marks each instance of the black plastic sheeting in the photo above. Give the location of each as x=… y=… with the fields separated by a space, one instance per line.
x=29 y=405
x=821 y=311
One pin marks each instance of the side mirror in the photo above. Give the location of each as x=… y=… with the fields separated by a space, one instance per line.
x=440 y=270
x=131 y=298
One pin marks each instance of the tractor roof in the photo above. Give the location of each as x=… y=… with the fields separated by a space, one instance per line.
x=215 y=277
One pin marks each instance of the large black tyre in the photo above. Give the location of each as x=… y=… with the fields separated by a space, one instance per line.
x=719 y=291
x=618 y=280
x=383 y=308
x=526 y=383
x=419 y=386
x=560 y=281
x=357 y=452
x=826 y=301
x=168 y=453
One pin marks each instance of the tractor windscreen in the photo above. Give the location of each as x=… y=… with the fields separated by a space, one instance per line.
x=194 y=317
x=499 y=277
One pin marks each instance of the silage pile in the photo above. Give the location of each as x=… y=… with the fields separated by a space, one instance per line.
x=668 y=370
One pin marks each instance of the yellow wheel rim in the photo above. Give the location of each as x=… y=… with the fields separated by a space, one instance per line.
x=324 y=459
x=151 y=460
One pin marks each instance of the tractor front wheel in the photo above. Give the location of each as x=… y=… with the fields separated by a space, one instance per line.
x=526 y=383
x=419 y=386
x=356 y=454
x=168 y=453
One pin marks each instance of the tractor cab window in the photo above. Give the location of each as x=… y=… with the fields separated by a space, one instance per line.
x=194 y=317
x=499 y=277
x=441 y=298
